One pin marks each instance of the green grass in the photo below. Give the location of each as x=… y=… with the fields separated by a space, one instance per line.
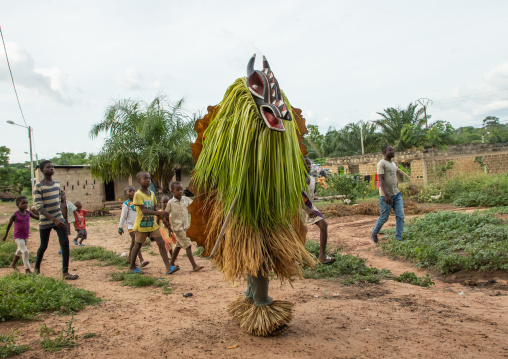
x=452 y=241
x=199 y=252
x=8 y=346
x=352 y=270
x=24 y=296
x=8 y=249
x=108 y=258
x=66 y=338
x=139 y=280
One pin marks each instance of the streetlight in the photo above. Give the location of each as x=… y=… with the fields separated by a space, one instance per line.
x=32 y=174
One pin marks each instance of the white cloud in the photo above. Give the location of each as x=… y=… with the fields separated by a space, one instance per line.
x=131 y=79
x=44 y=82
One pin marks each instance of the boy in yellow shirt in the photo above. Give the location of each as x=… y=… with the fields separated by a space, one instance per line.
x=145 y=225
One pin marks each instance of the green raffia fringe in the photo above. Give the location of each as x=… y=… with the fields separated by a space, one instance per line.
x=242 y=156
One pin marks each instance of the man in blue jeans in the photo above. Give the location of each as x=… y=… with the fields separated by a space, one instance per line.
x=389 y=195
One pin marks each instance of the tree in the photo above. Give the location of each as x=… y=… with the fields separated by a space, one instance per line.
x=71 y=159
x=401 y=128
x=151 y=137
x=490 y=121
x=439 y=134
x=13 y=177
x=314 y=141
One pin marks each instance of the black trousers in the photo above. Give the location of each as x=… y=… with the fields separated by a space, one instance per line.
x=64 y=244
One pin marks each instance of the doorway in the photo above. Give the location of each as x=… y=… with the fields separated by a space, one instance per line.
x=109 y=190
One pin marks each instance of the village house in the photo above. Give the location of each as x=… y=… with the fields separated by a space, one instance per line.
x=94 y=194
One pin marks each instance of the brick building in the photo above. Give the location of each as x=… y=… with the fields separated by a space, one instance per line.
x=79 y=185
x=430 y=164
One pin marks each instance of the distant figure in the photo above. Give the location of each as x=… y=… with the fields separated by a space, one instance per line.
x=47 y=203
x=145 y=225
x=389 y=195
x=313 y=216
x=21 y=220
x=128 y=217
x=177 y=209
x=80 y=224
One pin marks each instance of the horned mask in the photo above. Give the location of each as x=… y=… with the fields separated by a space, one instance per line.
x=266 y=93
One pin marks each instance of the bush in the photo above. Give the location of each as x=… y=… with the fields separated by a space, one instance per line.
x=24 y=296
x=453 y=241
x=109 y=258
x=348 y=186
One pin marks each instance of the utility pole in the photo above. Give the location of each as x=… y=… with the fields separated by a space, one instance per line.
x=424 y=102
x=32 y=174
x=361 y=137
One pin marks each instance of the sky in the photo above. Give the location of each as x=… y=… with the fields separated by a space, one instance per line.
x=338 y=61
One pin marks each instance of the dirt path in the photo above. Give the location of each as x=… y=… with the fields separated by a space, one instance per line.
x=387 y=320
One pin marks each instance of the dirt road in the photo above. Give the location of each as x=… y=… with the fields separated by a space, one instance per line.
x=386 y=320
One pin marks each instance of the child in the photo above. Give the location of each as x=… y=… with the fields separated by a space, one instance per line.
x=128 y=217
x=177 y=207
x=145 y=225
x=68 y=209
x=21 y=219
x=166 y=232
x=47 y=203
x=80 y=224
x=313 y=216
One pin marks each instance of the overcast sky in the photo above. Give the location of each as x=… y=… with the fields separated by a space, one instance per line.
x=339 y=61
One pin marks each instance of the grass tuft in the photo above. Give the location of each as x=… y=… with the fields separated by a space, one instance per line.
x=412 y=278
x=109 y=258
x=8 y=346
x=63 y=340
x=24 y=296
x=139 y=280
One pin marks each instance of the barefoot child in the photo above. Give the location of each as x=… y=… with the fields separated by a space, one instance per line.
x=47 y=203
x=21 y=219
x=177 y=208
x=128 y=217
x=80 y=224
x=145 y=225
x=313 y=216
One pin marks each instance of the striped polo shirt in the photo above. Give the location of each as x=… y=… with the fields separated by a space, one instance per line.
x=48 y=197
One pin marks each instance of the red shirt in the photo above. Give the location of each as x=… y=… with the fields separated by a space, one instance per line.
x=80 y=219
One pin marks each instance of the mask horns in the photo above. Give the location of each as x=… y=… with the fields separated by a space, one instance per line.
x=250 y=66
x=266 y=65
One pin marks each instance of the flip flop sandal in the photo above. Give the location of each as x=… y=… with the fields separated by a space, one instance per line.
x=144 y=264
x=173 y=269
x=71 y=276
x=75 y=242
x=374 y=239
x=328 y=260
x=137 y=271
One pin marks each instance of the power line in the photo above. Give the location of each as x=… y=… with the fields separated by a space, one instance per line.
x=12 y=78
x=469 y=97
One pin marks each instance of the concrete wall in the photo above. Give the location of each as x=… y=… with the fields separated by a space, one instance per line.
x=426 y=164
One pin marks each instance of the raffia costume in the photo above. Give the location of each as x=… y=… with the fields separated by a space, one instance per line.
x=249 y=163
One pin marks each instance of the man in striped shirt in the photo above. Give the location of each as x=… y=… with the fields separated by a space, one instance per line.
x=47 y=202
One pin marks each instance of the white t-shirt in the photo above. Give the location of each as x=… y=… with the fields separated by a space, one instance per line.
x=389 y=169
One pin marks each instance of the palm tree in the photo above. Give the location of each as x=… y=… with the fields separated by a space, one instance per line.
x=151 y=137
x=402 y=128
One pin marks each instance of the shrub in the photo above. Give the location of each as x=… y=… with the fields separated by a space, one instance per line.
x=348 y=186
x=453 y=241
x=24 y=296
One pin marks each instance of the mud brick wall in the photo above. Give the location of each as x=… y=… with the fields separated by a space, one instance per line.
x=79 y=185
x=120 y=185
x=496 y=163
x=417 y=171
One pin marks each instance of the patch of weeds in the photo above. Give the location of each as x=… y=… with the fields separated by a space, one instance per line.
x=199 y=252
x=453 y=241
x=65 y=339
x=140 y=280
x=89 y=335
x=24 y=296
x=8 y=346
x=412 y=278
x=499 y=210
x=109 y=258
x=350 y=268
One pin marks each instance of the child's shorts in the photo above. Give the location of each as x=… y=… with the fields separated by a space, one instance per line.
x=182 y=240
x=81 y=233
x=140 y=237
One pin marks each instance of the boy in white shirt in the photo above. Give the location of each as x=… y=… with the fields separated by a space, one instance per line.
x=177 y=209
